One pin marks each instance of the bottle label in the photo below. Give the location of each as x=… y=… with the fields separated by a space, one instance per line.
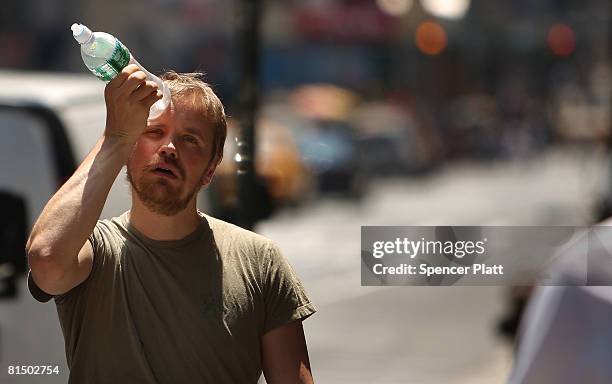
x=118 y=60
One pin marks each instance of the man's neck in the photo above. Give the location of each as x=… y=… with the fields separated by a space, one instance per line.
x=160 y=227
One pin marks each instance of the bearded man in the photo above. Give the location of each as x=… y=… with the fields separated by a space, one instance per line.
x=164 y=293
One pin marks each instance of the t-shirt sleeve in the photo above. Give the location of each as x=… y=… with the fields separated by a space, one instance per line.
x=35 y=291
x=284 y=295
x=96 y=241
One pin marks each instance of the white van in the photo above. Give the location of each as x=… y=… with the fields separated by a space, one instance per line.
x=48 y=124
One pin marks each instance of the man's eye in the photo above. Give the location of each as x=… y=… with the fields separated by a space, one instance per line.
x=154 y=132
x=190 y=139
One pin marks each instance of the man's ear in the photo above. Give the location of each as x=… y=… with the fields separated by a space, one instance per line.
x=209 y=174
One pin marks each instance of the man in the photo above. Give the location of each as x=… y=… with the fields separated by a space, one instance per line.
x=565 y=334
x=164 y=293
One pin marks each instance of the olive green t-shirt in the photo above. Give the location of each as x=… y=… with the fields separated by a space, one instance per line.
x=187 y=311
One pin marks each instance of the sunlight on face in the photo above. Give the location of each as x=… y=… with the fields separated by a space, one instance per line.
x=177 y=139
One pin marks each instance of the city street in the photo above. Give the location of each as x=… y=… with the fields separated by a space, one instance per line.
x=424 y=334
x=383 y=334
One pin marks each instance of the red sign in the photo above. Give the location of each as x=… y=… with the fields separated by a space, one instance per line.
x=362 y=22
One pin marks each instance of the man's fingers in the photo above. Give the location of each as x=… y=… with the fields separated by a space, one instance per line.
x=144 y=90
x=133 y=81
x=131 y=84
x=122 y=76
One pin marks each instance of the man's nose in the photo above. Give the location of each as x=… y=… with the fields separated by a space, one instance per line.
x=168 y=150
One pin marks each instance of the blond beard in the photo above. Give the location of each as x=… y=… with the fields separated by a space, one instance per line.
x=166 y=203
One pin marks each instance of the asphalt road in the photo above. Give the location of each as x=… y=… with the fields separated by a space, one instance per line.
x=382 y=334
x=424 y=334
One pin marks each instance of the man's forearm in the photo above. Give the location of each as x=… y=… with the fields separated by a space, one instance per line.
x=70 y=216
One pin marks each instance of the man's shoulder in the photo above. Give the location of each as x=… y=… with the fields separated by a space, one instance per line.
x=110 y=229
x=236 y=236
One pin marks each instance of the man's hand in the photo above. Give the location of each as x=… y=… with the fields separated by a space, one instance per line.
x=128 y=99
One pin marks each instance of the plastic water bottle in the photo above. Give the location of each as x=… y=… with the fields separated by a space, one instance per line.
x=106 y=56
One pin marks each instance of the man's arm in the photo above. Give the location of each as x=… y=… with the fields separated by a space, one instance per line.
x=285 y=355
x=58 y=252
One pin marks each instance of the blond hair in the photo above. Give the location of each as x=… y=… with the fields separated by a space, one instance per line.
x=190 y=87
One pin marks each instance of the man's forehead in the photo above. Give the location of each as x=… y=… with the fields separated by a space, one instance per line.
x=185 y=117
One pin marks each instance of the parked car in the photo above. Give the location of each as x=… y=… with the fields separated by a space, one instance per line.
x=282 y=178
x=328 y=141
x=389 y=140
x=48 y=124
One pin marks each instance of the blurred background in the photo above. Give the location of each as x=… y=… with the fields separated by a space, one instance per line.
x=354 y=112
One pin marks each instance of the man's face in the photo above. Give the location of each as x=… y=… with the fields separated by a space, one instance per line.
x=170 y=162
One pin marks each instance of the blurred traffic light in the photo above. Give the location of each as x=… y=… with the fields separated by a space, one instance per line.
x=561 y=40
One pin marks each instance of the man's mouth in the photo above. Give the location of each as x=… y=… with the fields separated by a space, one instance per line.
x=166 y=172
